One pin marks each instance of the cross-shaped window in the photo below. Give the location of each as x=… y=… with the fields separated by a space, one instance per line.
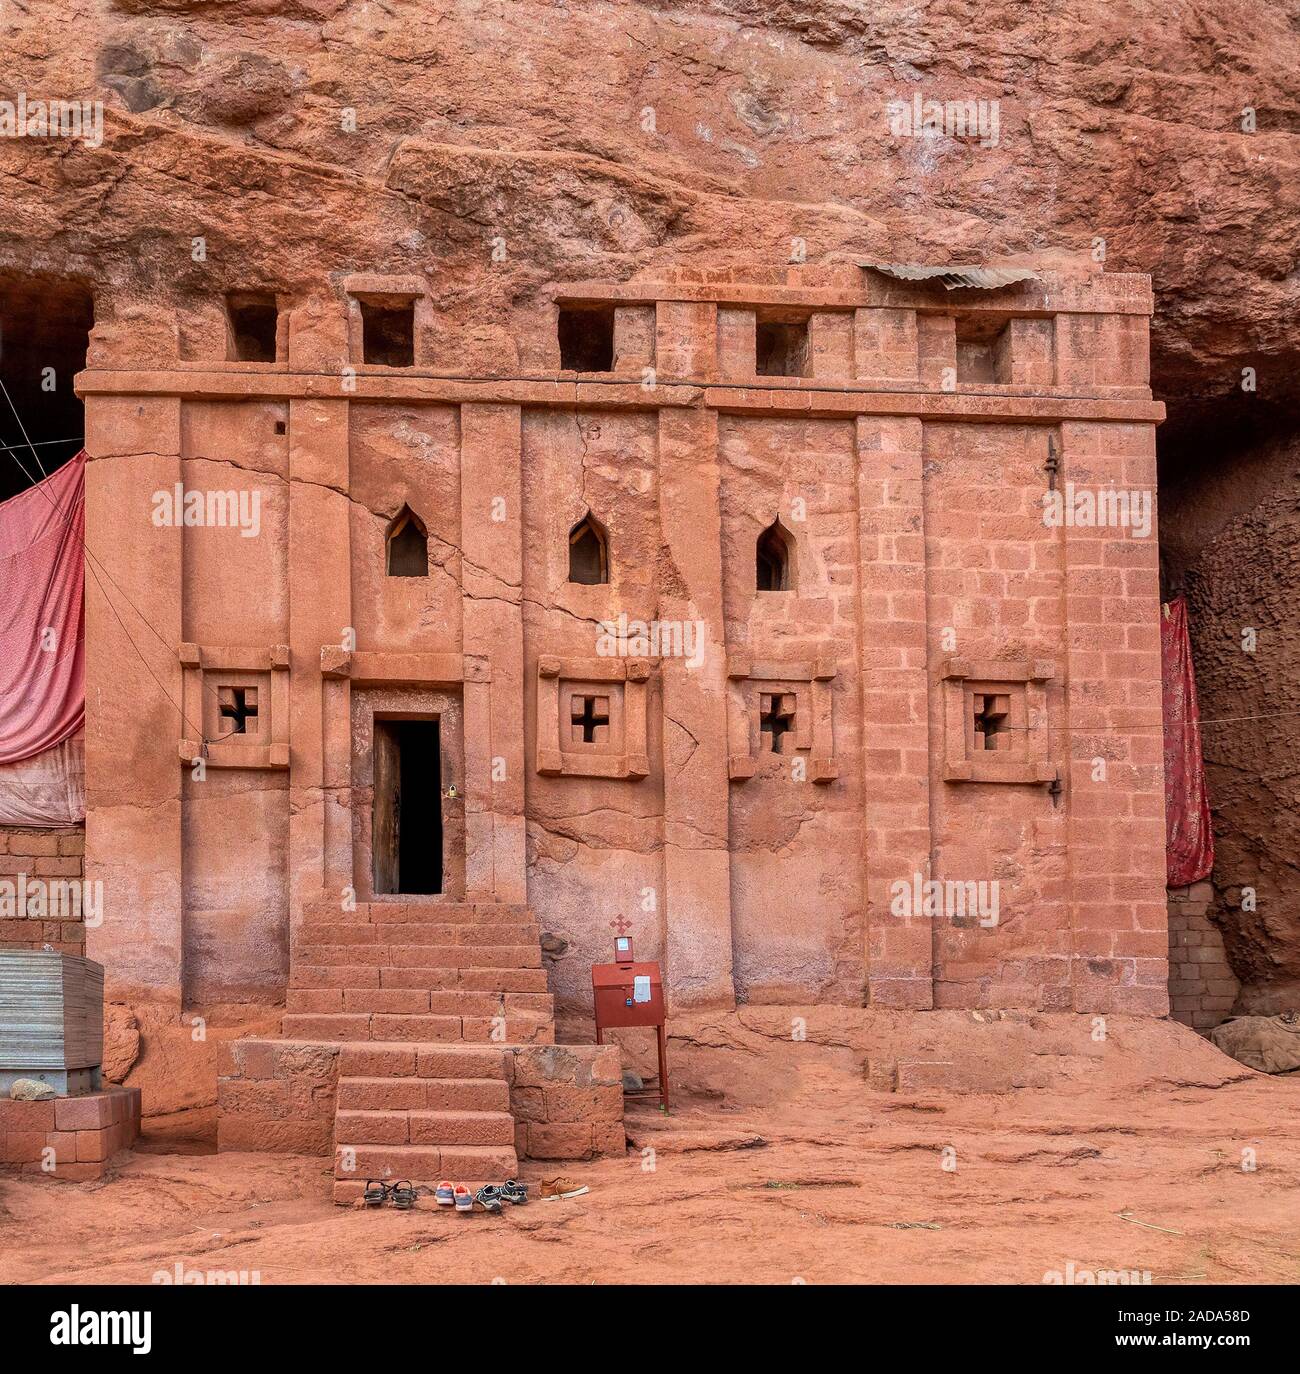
x=590 y=717
x=238 y=705
x=776 y=720
x=991 y=720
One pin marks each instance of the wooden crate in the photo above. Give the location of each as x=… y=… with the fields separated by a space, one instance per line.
x=51 y=1011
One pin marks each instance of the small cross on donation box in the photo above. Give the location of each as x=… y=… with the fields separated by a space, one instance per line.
x=627 y=993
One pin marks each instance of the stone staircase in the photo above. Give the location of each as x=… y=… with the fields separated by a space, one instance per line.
x=423 y=998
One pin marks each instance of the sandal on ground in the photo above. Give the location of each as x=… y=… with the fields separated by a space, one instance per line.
x=514 y=1192
x=376 y=1193
x=555 y=1188
x=444 y=1194
x=463 y=1198
x=403 y=1195
x=489 y=1197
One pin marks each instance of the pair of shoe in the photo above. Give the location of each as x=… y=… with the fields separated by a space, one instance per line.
x=553 y=1189
x=489 y=1197
x=401 y=1194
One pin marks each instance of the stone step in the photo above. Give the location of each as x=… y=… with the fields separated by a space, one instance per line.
x=412 y=1059
x=423 y=1094
x=427 y=1164
x=367 y=1127
x=425 y=956
x=314 y=933
x=379 y=913
x=407 y=1001
x=520 y=1027
x=307 y=976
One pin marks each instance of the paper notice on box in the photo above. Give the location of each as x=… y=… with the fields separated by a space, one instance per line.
x=641 y=988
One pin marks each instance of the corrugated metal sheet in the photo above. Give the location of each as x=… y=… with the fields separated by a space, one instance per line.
x=985 y=278
x=51 y=1010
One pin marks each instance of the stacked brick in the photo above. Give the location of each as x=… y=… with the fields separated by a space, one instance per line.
x=47 y=856
x=69 y=1138
x=1202 y=985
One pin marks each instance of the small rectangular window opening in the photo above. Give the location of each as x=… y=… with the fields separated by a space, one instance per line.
x=254 y=319
x=388 y=332
x=586 y=338
x=780 y=347
x=983 y=352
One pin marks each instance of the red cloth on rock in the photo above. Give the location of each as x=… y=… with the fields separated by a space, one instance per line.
x=42 y=614
x=1189 y=839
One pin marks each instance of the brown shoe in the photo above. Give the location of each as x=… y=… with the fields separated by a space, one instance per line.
x=555 y=1188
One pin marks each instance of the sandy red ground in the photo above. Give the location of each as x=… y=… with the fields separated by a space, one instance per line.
x=778 y=1164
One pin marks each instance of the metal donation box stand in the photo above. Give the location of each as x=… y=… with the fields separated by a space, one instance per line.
x=630 y=994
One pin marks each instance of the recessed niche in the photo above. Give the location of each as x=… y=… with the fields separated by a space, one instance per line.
x=780 y=348
x=773 y=559
x=588 y=552
x=388 y=333
x=254 y=321
x=407 y=543
x=983 y=350
x=586 y=338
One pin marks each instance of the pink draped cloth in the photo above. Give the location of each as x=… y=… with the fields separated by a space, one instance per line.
x=42 y=615
x=1189 y=839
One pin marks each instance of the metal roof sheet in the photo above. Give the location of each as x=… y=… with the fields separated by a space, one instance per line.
x=985 y=278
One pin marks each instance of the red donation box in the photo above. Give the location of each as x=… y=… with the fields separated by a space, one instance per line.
x=627 y=993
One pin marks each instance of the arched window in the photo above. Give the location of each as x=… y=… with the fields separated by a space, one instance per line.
x=588 y=552
x=773 y=561
x=408 y=545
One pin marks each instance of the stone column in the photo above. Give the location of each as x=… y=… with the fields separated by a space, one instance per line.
x=1115 y=787
x=133 y=697
x=493 y=630
x=895 y=697
x=697 y=862
x=320 y=614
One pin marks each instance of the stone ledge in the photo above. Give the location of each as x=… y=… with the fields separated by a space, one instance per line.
x=805 y=398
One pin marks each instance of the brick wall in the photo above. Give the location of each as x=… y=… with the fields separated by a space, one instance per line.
x=1202 y=985
x=44 y=856
x=567 y=1101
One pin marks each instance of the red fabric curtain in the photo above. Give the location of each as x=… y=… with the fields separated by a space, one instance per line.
x=1189 y=840
x=42 y=614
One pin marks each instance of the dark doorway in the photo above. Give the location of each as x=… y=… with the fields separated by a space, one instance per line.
x=406 y=836
x=44 y=332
